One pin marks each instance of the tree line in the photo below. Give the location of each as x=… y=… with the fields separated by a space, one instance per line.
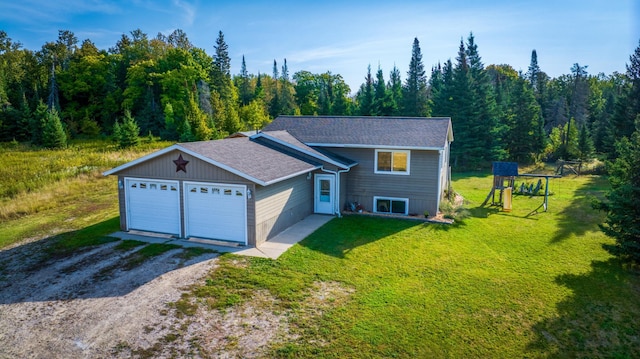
x=164 y=86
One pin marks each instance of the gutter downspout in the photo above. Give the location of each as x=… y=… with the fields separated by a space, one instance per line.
x=337 y=173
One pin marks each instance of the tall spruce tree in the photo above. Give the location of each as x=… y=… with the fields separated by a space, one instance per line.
x=415 y=88
x=395 y=87
x=627 y=108
x=365 y=95
x=483 y=124
x=622 y=204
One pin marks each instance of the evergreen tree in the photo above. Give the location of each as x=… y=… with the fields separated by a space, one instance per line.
x=484 y=127
x=365 y=95
x=287 y=92
x=127 y=133
x=622 y=203
x=53 y=135
x=197 y=121
x=395 y=87
x=585 y=144
x=467 y=149
x=244 y=86
x=274 y=104
x=415 y=89
x=37 y=123
x=442 y=86
x=383 y=101
x=534 y=71
x=627 y=106
x=525 y=135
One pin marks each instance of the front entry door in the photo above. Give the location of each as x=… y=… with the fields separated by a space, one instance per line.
x=324 y=194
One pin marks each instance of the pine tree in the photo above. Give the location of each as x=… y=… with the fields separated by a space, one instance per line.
x=395 y=87
x=53 y=135
x=534 y=71
x=484 y=126
x=37 y=123
x=274 y=104
x=365 y=95
x=415 y=88
x=244 y=87
x=627 y=106
x=585 y=144
x=622 y=203
x=128 y=131
x=197 y=120
x=287 y=104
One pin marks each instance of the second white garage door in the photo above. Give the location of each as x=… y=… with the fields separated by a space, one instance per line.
x=216 y=211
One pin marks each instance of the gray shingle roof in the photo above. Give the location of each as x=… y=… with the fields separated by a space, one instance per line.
x=295 y=144
x=252 y=159
x=413 y=132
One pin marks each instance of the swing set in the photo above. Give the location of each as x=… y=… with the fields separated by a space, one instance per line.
x=504 y=174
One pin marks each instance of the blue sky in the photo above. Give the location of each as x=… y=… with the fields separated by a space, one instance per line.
x=344 y=37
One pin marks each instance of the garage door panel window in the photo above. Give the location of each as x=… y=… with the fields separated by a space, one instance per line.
x=391 y=205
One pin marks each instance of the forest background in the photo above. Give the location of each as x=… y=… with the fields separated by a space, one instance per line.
x=165 y=87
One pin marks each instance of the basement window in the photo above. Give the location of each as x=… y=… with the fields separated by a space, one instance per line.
x=391 y=205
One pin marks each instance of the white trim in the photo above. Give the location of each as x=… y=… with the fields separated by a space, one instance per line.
x=332 y=191
x=185 y=204
x=302 y=150
x=405 y=200
x=205 y=159
x=392 y=172
x=343 y=145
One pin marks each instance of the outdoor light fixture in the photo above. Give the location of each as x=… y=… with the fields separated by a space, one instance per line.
x=249 y=194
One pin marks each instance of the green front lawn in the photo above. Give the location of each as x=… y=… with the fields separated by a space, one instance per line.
x=495 y=285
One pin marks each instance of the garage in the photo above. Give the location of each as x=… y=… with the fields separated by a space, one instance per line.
x=216 y=211
x=153 y=205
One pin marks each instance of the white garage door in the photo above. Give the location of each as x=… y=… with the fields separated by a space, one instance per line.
x=153 y=205
x=216 y=211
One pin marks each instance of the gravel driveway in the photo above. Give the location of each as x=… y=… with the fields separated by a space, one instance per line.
x=91 y=304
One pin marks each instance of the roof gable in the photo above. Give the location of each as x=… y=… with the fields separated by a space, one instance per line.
x=391 y=132
x=240 y=156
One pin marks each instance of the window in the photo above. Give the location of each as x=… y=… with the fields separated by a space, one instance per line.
x=392 y=161
x=391 y=205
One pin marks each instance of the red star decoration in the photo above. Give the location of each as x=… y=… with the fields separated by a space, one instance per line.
x=181 y=164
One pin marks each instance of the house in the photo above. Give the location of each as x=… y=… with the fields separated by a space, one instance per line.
x=250 y=187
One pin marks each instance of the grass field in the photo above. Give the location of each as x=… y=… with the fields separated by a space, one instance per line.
x=496 y=284
x=49 y=192
x=500 y=285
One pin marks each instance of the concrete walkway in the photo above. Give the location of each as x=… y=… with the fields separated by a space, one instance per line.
x=272 y=248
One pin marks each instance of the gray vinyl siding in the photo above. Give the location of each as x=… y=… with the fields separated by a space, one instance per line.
x=163 y=167
x=420 y=187
x=282 y=204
